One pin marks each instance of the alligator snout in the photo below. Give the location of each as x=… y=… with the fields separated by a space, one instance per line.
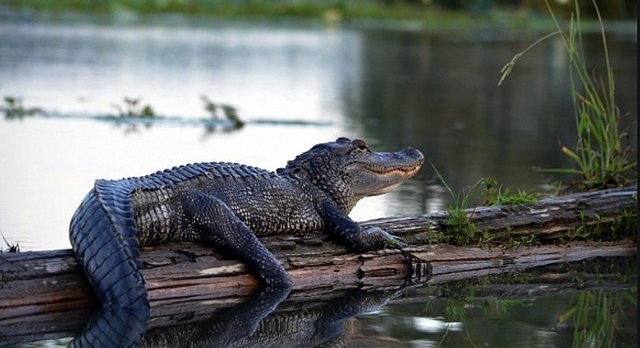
x=410 y=159
x=414 y=154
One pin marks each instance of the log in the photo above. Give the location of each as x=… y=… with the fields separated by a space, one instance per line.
x=552 y=219
x=45 y=295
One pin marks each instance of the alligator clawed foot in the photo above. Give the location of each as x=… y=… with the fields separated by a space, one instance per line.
x=418 y=270
x=397 y=242
x=379 y=238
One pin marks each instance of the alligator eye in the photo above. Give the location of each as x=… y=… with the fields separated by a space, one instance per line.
x=359 y=143
x=359 y=150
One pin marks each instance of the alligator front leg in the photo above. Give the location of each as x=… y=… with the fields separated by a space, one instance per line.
x=352 y=234
x=221 y=227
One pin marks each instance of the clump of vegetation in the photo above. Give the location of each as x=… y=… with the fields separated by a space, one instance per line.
x=620 y=227
x=11 y=248
x=495 y=194
x=521 y=241
x=602 y=151
x=459 y=230
x=14 y=108
x=132 y=108
x=230 y=112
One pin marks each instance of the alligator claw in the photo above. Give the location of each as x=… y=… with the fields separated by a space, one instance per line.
x=417 y=269
x=397 y=242
x=377 y=238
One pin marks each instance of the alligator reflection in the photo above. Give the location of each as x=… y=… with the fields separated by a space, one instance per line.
x=321 y=321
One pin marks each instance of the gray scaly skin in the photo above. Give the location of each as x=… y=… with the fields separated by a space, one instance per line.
x=226 y=206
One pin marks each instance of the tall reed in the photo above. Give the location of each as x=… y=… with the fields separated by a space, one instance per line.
x=600 y=153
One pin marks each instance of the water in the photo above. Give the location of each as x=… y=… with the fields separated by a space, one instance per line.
x=534 y=309
x=393 y=88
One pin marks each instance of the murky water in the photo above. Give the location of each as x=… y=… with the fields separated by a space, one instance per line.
x=503 y=312
x=392 y=88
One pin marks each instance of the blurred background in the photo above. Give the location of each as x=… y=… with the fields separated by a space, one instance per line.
x=112 y=89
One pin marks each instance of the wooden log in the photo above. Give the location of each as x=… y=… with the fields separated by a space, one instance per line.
x=44 y=294
x=55 y=301
x=549 y=220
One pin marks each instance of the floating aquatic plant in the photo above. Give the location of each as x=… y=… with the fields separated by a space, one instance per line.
x=230 y=112
x=132 y=107
x=14 y=108
x=11 y=248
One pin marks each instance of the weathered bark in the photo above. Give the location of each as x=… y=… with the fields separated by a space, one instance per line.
x=45 y=295
x=550 y=220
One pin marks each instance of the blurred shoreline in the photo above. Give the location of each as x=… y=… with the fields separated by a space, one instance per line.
x=399 y=15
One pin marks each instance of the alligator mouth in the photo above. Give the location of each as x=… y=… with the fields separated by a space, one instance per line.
x=390 y=179
x=408 y=171
x=381 y=172
x=406 y=167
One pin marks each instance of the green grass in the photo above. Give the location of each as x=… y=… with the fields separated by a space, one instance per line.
x=601 y=154
x=459 y=230
x=600 y=229
x=496 y=194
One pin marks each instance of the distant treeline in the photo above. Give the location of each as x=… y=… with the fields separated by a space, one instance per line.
x=377 y=9
x=622 y=9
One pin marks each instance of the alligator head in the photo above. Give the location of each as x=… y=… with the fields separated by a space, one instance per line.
x=348 y=170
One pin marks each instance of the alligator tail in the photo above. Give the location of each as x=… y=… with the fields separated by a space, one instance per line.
x=103 y=236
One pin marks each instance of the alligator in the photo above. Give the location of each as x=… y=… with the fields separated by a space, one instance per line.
x=227 y=206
